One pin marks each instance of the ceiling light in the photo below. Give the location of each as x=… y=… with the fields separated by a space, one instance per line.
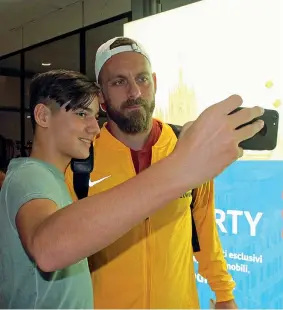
x=46 y=64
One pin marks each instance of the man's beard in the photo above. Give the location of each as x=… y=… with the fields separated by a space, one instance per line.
x=135 y=121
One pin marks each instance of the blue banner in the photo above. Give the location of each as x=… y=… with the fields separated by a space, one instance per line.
x=249 y=207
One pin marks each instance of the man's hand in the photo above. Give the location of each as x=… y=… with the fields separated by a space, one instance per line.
x=211 y=142
x=230 y=304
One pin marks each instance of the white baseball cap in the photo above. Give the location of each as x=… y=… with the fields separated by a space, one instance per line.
x=105 y=52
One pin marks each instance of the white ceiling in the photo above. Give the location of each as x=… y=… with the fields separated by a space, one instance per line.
x=16 y=13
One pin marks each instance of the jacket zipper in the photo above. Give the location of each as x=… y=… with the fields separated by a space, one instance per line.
x=148 y=259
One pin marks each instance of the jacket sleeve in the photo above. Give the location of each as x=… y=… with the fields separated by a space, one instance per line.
x=211 y=262
x=69 y=183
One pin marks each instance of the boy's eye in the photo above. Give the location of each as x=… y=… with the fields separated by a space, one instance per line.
x=81 y=114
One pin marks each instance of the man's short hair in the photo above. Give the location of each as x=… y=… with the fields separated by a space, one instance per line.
x=62 y=87
x=122 y=41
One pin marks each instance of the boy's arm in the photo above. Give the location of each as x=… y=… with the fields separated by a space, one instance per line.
x=58 y=238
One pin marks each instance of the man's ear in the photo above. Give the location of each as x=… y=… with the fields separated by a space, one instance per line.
x=101 y=102
x=100 y=97
x=154 y=81
x=42 y=115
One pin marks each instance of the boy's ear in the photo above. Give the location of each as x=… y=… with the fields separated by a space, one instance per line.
x=42 y=115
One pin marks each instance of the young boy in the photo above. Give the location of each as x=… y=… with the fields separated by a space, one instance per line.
x=45 y=237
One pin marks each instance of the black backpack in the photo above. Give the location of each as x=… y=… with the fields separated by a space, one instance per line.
x=82 y=169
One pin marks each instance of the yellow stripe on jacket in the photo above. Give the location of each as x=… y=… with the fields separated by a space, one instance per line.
x=152 y=265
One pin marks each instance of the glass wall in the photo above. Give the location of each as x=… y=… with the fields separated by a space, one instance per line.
x=61 y=54
x=10 y=97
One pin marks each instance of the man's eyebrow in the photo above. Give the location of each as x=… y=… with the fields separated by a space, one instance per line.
x=116 y=76
x=144 y=73
x=121 y=76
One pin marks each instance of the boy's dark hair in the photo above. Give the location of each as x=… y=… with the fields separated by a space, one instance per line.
x=62 y=87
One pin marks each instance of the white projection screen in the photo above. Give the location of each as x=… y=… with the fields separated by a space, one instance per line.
x=208 y=50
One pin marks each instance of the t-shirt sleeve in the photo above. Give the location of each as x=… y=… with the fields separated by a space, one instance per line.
x=29 y=182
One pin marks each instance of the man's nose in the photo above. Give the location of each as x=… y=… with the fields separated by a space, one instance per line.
x=134 y=90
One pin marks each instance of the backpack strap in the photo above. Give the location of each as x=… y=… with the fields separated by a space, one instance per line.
x=81 y=173
x=195 y=242
x=2 y=153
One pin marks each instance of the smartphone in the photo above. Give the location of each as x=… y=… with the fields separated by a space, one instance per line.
x=266 y=138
